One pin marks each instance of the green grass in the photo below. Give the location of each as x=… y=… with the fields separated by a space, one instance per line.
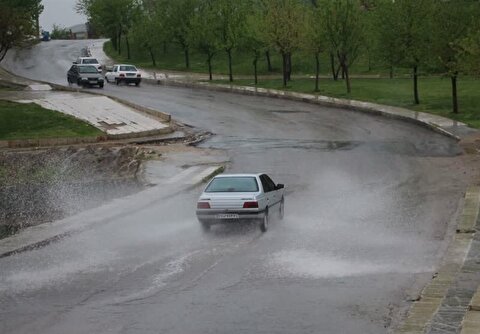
x=435 y=93
x=30 y=121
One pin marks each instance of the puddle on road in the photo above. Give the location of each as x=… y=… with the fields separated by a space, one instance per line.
x=306 y=264
x=414 y=149
x=272 y=143
x=289 y=111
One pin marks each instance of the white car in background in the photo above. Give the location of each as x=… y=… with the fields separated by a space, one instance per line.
x=124 y=73
x=89 y=61
x=231 y=198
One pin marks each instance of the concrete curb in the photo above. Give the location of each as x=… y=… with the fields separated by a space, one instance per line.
x=47 y=142
x=423 y=311
x=419 y=118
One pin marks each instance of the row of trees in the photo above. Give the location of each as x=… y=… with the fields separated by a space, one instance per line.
x=18 y=23
x=441 y=37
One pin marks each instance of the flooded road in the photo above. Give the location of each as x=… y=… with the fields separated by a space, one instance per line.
x=369 y=207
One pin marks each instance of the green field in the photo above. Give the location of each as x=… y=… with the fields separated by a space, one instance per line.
x=30 y=121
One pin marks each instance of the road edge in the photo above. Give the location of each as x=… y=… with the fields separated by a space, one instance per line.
x=422 y=312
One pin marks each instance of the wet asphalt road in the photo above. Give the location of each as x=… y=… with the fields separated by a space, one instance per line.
x=368 y=210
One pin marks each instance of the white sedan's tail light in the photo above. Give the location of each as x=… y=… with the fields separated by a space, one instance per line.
x=203 y=205
x=250 y=205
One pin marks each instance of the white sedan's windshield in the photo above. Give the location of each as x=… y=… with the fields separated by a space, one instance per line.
x=128 y=68
x=233 y=184
x=90 y=61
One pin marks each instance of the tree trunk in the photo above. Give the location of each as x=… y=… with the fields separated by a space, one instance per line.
x=230 y=73
x=284 y=69
x=255 y=60
x=347 y=78
x=453 y=78
x=317 y=72
x=269 y=63
x=128 y=46
x=332 y=64
x=3 y=53
x=152 y=55
x=119 y=42
x=338 y=71
x=415 y=85
x=187 y=58
x=289 y=66
x=37 y=23
x=115 y=43
x=209 y=61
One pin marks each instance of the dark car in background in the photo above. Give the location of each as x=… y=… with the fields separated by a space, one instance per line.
x=85 y=75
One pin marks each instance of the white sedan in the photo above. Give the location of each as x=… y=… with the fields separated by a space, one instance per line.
x=124 y=73
x=235 y=197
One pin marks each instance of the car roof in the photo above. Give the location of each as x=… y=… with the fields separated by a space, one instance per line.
x=85 y=65
x=125 y=65
x=239 y=175
x=87 y=58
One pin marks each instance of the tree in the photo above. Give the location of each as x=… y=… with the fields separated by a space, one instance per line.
x=205 y=38
x=112 y=18
x=253 y=39
x=179 y=15
x=147 y=31
x=282 y=28
x=452 y=21
x=385 y=34
x=411 y=38
x=343 y=26
x=59 y=32
x=314 y=38
x=471 y=47
x=231 y=21
x=17 y=23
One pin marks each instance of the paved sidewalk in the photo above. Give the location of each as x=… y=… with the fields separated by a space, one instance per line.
x=115 y=119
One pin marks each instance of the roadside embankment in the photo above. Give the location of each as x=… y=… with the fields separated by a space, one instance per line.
x=44 y=185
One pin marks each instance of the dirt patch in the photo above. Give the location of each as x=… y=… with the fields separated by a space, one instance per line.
x=43 y=185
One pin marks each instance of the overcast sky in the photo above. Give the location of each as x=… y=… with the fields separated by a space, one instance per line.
x=61 y=12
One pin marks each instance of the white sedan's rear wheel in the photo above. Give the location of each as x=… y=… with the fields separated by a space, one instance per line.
x=205 y=225
x=264 y=223
x=281 y=212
